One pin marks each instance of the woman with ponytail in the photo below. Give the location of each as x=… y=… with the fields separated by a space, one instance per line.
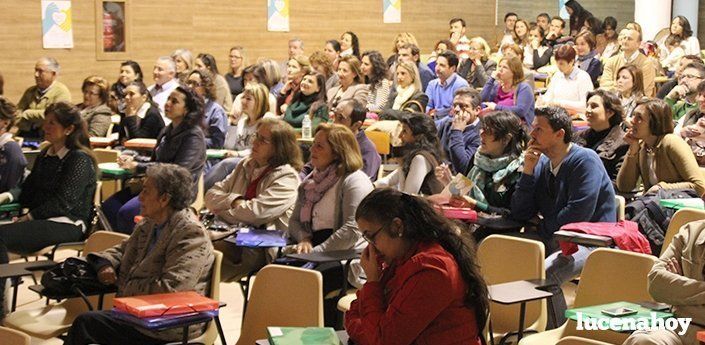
x=58 y=192
x=423 y=283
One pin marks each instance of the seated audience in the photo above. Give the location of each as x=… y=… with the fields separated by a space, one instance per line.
x=46 y=91
x=239 y=138
x=222 y=95
x=309 y=100
x=577 y=14
x=351 y=83
x=399 y=41
x=94 y=109
x=607 y=42
x=58 y=192
x=422 y=154
x=440 y=47
x=351 y=114
x=505 y=90
x=376 y=76
x=660 y=158
x=296 y=68
x=249 y=76
x=184 y=61
x=168 y=252
x=521 y=33
x=234 y=77
x=411 y=53
x=215 y=122
x=321 y=63
x=259 y=193
x=604 y=134
x=630 y=88
x=268 y=73
x=680 y=28
x=12 y=159
x=182 y=143
x=130 y=71
x=478 y=67
x=142 y=118
x=587 y=56
x=512 y=50
x=413 y=253
x=536 y=52
x=569 y=86
x=408 y=94
x=324 y=214
x=682 y=97
x=669 y=85
x=440 y=91
x=165 y=83
x=349 y=45
x=677 y=279
x=630 y=41
x=459 y=134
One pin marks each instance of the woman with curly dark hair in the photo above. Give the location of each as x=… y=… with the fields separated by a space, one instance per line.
x=415 y=174
x=413 y=253
x=376 y=75
x=349 y=44
x=216 y=122
x=222 y=94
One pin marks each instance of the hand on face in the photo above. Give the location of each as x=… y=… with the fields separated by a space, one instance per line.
x=370 y=264
x=531 y=157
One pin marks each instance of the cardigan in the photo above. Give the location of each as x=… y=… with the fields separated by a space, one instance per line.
x=32 y=104
x=523 y=100
x=358 y=92
x=147 y=125
x=676 y=167
x=378 y=96
x=98 y=120
x=420 y=300
x=613 y=64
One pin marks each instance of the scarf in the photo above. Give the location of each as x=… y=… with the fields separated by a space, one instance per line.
x=584 y=61
x=300 y=107
x=403 y=95
x=314 y=186
x=495 y=168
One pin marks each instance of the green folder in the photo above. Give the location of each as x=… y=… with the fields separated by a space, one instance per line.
x=14 y=207
x=302 y=336
x=213 y=153
x=678 y=204
x=112 y=169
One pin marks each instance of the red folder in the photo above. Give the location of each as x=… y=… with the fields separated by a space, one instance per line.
x=460 y=213
x=165 y=304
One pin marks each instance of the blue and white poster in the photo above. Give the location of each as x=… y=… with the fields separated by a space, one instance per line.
x=562 y=12
x=392 y=11
x=278 y=15
x=57 y=31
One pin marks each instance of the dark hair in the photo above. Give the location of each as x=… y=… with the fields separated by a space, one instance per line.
x=286 y=148
x=143 y=90
x=320 y=97
x=209 y=61
x=335 y=44
x=565 y=53
x=659 y=113
x=611 y=22
x=558 y=119
x=541 y=31
x=354 y=42
x=380 y=70
x=135 y=68
x=7 y=111
x=698 y=66
x=207 y=82
x=449 y=45
x=611 y=102
x=637 y=78
x=451 y=57
x=67 y=115
x=2 y=85
x=595 y=25
x=544 y=15
x=504 y=124
x=692 y=57
x=194 y=106
x=509 y=14
x=589 y=39
x=687 y=31
x=455 y=20
x=579 y=15
x=561 y=19
x=673 y=40
x=701 y=87
x=474 y=95
x=359 y=112
x=426 y=138
x=421 y=223
x=414 y=48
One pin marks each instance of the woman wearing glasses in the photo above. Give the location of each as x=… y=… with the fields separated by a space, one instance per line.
x=260 y=193
x=216 y=122
x=423 y=283
x=324 y=216
x=94 y=109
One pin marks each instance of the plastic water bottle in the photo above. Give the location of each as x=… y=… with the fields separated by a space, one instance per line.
x=306 y=128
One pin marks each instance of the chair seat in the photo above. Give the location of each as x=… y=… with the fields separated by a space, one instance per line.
x=47 y=322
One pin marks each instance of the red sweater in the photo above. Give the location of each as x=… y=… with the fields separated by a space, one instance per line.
x=419 y=301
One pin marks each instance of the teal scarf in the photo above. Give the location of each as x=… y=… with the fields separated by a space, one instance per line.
x=497 y=169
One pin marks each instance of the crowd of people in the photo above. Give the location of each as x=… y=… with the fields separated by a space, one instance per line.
x=550 y=125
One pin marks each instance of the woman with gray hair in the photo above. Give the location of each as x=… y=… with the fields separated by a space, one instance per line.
x=169 y=251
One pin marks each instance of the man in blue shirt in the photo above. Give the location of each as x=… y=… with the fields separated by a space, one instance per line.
x=440 y=91
x=565 y=183
x=459 y=133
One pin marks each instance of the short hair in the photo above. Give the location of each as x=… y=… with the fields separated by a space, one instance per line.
x=510 y=14
x=260 y=93
x=7 y=111
x=701 y=87
x=413 y=72
x=473 y=94
x=659 y=113
x=242 y=51
x=561 y=19
x=207 y=81
x=565 y=53
x=344 y=146
x=414 y=48
x=304 y=62
x=267 y=72
x=209 y=61
x=515 y=48
x=544 y=15
x=174 y=181
x=359 y=112
x=637 y=78
x=516 y=67
x=296 y=39
x=698 y=66
x=588 y=37
x=51 y=63
x=185 y=55
x=636 y=27
x=319 y=58
x=611 y=102
x=405 y=37
x=486 y=50
x=451 y=57
x=692 y=57
x=171 y=65
x=286 y=148
x=558 y=119
x=354 y=63
x=455 y=20
x=135 y=68
x=101 y=83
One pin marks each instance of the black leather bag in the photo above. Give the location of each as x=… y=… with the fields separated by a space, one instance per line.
x=73 y=276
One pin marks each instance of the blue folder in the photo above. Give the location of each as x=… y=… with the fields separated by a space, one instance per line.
x=258 y=238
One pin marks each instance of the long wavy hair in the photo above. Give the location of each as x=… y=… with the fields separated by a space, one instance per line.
x=426 y=138
x=68 y=115
x=380 y=70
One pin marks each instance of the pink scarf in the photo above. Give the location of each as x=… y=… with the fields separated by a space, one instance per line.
x=315 y=185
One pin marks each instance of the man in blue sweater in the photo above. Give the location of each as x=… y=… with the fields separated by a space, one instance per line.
x=565 y=183
x=440 y=91
x=459 y=133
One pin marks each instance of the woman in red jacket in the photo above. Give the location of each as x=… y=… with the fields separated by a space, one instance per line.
x=423 y=284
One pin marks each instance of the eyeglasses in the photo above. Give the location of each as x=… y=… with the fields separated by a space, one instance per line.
x=690 y=76
x=371 y=238
x=262 y=139
x=462 y=106
x=235 y=57
x=191 y=83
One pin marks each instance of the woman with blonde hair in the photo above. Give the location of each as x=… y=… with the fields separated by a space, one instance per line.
x=267 y=72
x=94 y=109
x=408 y=94
x=184 y=64
x=478 y=67
x=296 y=69
x=352 y=83
x=401 y=39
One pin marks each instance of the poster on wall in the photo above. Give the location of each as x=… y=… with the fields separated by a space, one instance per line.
x=112 y=29
x=278 y=15
x=57 y=31
x=562 y=12
x=392 y=11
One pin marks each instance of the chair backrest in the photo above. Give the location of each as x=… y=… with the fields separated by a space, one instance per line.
x=680 y=218
x=211 y=333
x=282 y=296
x=199 y=203
x=106 y=155
x=381 y=140
x=102 y=240
x=504 y=259
x=621 y=204
x=97 y=194
x=13 y=337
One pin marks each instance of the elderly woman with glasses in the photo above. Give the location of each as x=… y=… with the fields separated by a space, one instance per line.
x=94 y=108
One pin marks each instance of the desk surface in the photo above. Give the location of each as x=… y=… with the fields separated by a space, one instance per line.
x=498 y=223
x=141 y=144
x=112 y=169
x=342 y=335
x=518 y=291
x=24 y=268
x=336 y=255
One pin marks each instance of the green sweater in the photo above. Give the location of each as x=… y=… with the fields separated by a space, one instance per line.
x=679 y=108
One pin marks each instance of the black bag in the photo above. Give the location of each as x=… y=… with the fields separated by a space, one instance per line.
x=74 y=275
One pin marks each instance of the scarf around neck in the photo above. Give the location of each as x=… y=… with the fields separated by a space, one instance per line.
x=403 y=95
x=584 y=61
x=491 y=170
x=315 y=186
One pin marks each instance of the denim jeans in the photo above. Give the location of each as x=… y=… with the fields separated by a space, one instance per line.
x=560 y=269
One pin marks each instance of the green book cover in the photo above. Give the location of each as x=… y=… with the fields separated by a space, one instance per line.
x=302 y=336
x=678 y=204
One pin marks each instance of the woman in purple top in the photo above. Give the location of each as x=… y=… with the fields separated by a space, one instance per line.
x=505 y=90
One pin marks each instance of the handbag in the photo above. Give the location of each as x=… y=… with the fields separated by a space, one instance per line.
x=73 y=276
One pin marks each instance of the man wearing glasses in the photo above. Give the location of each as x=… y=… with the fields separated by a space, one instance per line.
x=682 y=97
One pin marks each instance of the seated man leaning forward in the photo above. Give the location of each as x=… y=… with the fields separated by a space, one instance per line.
x=169 y=251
